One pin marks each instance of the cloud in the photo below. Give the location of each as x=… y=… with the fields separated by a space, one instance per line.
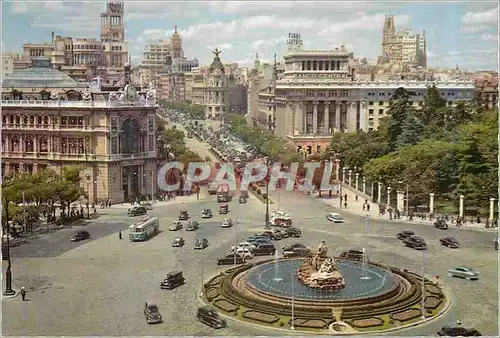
x=223 y=46
x=475 y=22
x=489 y=37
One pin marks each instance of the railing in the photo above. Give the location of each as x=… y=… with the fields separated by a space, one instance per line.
x=50 y=127
x=77 y=104
x=117 y=157
x=72 y=157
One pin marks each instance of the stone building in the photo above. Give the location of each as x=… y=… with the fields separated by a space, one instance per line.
x=402 y=47
x=487 y=85
x=216 y=88
x=51 y=120
x=317 y=96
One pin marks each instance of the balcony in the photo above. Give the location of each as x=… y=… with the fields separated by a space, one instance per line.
x=77 y=104
x=121 y=157
x=52 y=128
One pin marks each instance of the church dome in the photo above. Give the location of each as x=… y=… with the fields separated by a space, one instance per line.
x=216 y=65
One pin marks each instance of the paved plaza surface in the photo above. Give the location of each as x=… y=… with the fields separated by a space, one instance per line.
x=99 y=287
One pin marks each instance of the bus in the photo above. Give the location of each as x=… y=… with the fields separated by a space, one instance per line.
x=144 y=229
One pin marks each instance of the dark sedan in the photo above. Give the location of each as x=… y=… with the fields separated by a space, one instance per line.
x=405 y=234
x=458 y=331
x=415 y=242
x=296 y=250
x=229 y=259
x=192 y=226
x=200 y=243
x=450 y=242
x=80 y=236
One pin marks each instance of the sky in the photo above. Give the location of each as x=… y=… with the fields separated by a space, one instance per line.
x=459 y=33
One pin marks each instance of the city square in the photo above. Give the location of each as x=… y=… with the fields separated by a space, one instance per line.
x=374 y=128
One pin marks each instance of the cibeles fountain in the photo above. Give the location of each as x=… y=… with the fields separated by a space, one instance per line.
x=326 y=294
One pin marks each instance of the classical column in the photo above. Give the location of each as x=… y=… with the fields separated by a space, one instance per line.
x=461 y=206
x=337 y=169
x=389 y=189
x=431 y=203
x=337 y=115
x=357 y=181
x=492 y=209
x=315 y=117
x=343 y=175
x=400 y=203
x=326 y=118
x=364 y=185
x=350 y=177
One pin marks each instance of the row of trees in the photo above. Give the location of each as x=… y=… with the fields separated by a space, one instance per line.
x=194 y=111
x=447 y=150
x=43 y=191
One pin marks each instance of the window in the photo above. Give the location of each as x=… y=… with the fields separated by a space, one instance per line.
x=72 y=121
x=64 y=120
x=381 y=112
x=44 y=145
x=381 y=103
x=370 y=111
x=81 y=147
x=370 y=103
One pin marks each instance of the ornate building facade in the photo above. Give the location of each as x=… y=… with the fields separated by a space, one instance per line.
x=317 y=96
x=218 y=89
x=50 y=120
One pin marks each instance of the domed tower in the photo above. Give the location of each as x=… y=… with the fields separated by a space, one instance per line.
x=176 y=42
x=216 y=80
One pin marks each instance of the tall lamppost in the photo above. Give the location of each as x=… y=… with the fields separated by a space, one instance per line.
x=407 y=200
x=268 y=162
x=88 y=196
x=8 y=273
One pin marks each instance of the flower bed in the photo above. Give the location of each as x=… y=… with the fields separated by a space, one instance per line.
x=406 y=315
x=226 y=306
x=310 y=323
x=368 y=322
x=267 y=318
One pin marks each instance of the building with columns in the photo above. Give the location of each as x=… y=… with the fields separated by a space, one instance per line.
x=51 y=120
x=317 y=96
x=217 y=88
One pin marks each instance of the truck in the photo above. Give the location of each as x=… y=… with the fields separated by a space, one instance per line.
x=223 y=193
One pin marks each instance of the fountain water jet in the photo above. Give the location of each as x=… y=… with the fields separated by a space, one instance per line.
x=364 y=276
x=276 y=278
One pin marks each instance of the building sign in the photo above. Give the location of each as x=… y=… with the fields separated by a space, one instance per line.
x=321 y=76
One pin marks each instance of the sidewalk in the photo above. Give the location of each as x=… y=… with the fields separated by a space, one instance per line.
x=356 y=208
x=178 y=200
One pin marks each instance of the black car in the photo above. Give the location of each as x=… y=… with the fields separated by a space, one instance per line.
x=206 y=213
x=210 y=317
x=80 y=236
x=183 y=215
x=229 y=259
x=441 y=224
x=192 y=226
x=296 y=250
x=450 y=242
x=405 y=234
x=137 y=211
x=292 y=232
x=357 y=255
x=152 y=313
x=263 y=249
x=415 y=242
x=458 y=331
x=277 y=234
x=242 y=200
x=173 y=280
x=178 y=242
x=266 y=233
x=200 y=243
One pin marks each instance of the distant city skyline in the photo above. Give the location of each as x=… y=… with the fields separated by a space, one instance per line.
x=460 y=33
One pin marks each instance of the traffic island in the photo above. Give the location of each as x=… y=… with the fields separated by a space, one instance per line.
x=376 y=298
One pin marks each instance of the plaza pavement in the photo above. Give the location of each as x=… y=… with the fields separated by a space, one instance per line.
x=100 y=286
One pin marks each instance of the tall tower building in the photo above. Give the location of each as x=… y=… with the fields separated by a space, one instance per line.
x=294 y=42
x=176 y=42
x=388 y=33
x=113 y=35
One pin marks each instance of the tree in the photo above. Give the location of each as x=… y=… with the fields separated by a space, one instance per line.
x=399 y=111
x=432 y=103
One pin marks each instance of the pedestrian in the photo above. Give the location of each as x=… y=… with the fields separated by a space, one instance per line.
x=367 y=206
x=120 y=234
x=23 y=293
x=345 y=204
x=345 y=197
x=364 y=207
x=356 y=198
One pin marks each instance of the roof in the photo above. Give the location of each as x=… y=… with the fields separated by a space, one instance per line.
x=40 y=78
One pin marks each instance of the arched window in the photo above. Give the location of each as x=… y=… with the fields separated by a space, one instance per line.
x=45 y=95
x=44 y=145
x=14 y=144
x=315 y=65
x=326 y=65
x=25 y=120
x=130 y=137
x=338 y=65
x=18 y=120
x=309 y=65
x=46 y=120
x=29 y=147
x=3 y=144
x=332 y=65
x=320 y=64
x=32 y=119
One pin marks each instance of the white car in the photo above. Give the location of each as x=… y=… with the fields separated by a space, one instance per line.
x=227 y=223
x=244 y=245
x=246 y=253
x=335 y=218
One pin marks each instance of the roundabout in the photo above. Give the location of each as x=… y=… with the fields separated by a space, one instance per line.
x=373 y=298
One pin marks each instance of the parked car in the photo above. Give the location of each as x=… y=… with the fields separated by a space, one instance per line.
x=405 y=234
x=464 y=272
x=415 y=242
x=137 y=211
x=335 y=218
x=178 y=242
x=242 y=200
x=263 y=249
x=450 y=242
x=206 y=213
x=173 y=280
x=192 y=226
x=229 y=259
x=210 y=317
x=277 y=234
x=152 y=313
x=357 y=255
x=183 y=215
x=223 y=209
x=441 y=224
x=176 y=226
x=200 y=243
x=293 y=232
x=80 y=235
x=458 y=331
x=266 y=233
x=252 y=239
x=244 y=194
x=296 y=250
x=146 y=205
x=245 y=252
x=227 y=223
x=245 y=245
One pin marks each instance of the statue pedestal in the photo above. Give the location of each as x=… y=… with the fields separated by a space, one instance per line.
x=321 y=273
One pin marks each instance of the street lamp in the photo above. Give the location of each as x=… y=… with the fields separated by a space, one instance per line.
x=268 y=162
x=423 y=285
x=407 y=200
x=8 y=273
x=88 y=196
